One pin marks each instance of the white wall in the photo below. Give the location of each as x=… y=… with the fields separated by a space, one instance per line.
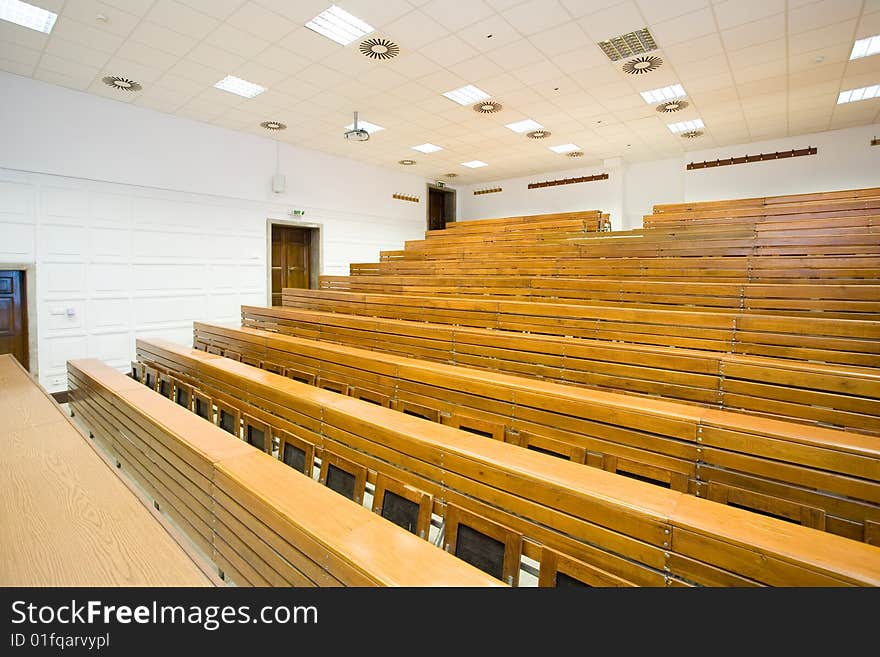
x=141 y=222
x=845 y=160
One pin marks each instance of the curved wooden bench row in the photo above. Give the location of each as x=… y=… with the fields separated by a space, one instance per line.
x=630 y=531
x=585 y=220
x=795 y=298
x=264 y=524
x=844 y=341
x=66 y=519
x=853 y=269
x=734 y=457
x=828 y=210
x=837 y=396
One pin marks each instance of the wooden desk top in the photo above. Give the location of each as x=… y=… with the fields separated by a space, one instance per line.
x=66 y=519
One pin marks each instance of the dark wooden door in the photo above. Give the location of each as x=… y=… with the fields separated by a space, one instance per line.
x=13 y=316
x=290 y=259
x=436 y=209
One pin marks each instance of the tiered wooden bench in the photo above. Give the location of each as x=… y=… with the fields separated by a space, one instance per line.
x=844 y=341
x=837 y=396
x=66 y=519
x=764 y=465
x=263 y=523
x=610 y=529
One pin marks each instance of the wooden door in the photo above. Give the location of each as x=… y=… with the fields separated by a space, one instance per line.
x=436 y=209
x=13 y=316
x=290 y=259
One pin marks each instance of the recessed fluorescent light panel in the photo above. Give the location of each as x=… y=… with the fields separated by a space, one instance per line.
x=686 y=126
x=663 y=93
x=365 y=125
x=866 y=47
x=338 y=25
x=864 y=93
x=29 y=16
x=467 y=95
x=241 y=87
x=565 y=148
x=427 y=148
x=524 y=126
x=474 y=164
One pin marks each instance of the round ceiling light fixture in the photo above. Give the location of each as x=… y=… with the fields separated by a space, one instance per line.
x=122 y=84
x=379 y=48
x=641 y=65
x=488 y=107
x=538 y=134
x=691 y=134
x=575 y=154
x=406 y=163
x=273 y=125
x=451 y=174
x=672 y=106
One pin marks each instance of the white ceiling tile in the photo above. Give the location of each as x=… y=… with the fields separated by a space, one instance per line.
x=264 y=23
x=309 y=44
x=513 y=55
x=80 y=82
x=147 y=55
x=532 y=74
x=458 y=15
x=206 y=75
x=613 y=21
x=66 y=66
x=412 y=65
x=702 y=68
x=476 y=68
x=162 y=38
x=810 y=60
x=489 y=34
x=209 y=55
x=219 y=9
x=299 y=12
x=869 y=25
x=415 y=29
x=819 y=14
x=655 y=12
x=320 y=76
x=686 y=28
x=181 y=18
x=709 y=82
x=582 y=58
x=136 y=7
x=97 y=39
x=750 y=34
x=560 y=39
x=382 y=78
x=702 y=47
x=378 y=14
x=17 y=53
x=85 y=11
x=158 y=104
x=535 y=16
x=12 y=33
x=241 y=43
x=281 y=59
x=117 y=66
x=732 y=13
x=761 y=71
x=822 y=37
x=17 y=67
x=448 y=50
x=763 y=52
x=255 y=72
x=76 y=52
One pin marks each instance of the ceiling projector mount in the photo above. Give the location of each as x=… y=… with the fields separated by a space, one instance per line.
x=356 y=134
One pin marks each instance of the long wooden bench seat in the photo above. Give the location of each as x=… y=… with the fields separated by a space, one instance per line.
x=850 y=269
x=795 y=298
x=666 y=443
x=66 y=519
x=621 y=531
x=584 y=221
x=828 y=210
x=265 y=524
x=760 y=201
x=830 y=395
x=844 y=341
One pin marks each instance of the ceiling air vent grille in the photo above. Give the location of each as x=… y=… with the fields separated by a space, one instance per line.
x=641 y=65
x=629 y=44
x=378 y=48
x=672 y=106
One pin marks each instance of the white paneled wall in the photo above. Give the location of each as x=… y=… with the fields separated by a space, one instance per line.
x=115 y=262
x=139 y=222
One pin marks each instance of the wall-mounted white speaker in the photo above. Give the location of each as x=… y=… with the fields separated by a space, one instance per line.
x=278 y=183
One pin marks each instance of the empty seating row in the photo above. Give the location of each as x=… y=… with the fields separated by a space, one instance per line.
x=618 y=530
x=721 y=455
x=844 y=301
x=65 y=518
x=760 y=201
x=262 y=523
x=844 y=341
x=829 y=395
